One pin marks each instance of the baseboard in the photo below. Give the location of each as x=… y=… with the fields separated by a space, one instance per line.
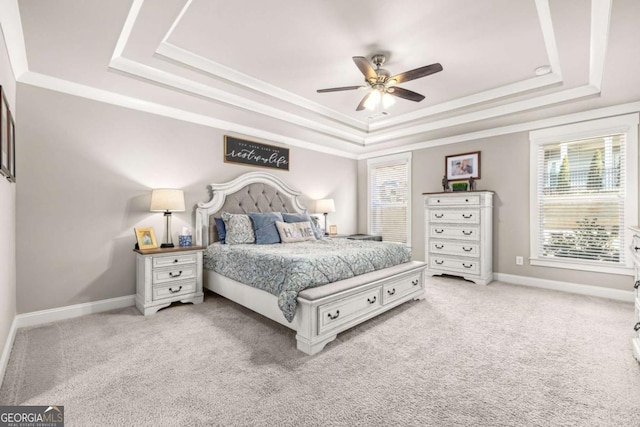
x=8 y=345
x=71 y=311
x=574 y=288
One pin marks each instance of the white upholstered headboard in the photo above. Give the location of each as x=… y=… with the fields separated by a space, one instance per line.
x=251 y=192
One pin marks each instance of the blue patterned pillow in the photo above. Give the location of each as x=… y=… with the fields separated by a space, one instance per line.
x=222 y=232
x=239 y=229
x=264 y=227
x=302 y=217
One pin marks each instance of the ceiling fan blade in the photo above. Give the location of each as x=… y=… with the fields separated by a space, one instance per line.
x=405 y=93
x=417 y=73
x=364 y=101
x=365 y=67
x=337 y=89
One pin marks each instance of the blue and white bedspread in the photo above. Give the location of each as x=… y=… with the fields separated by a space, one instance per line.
x=286 y=269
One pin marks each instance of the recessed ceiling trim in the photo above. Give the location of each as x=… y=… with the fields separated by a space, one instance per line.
x=476 y=98
x=616 y=110
x=600 y=21
x=546 y=25
x=108 y=97
x=167 y=79
x=489 y=113
x=13 y=37
x=186 y=58
x=129 y=23
x=181 y=55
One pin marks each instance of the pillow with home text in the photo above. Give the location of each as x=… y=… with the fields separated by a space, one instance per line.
x=291 y=232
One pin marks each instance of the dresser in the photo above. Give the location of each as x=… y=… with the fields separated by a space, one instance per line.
x=459 y=234
x=168 y=275
x=635 y=255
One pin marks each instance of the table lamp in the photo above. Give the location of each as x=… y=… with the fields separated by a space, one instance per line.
x=325 y=206
x=167 y=200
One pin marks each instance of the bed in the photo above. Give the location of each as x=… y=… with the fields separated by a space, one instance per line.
x=317 y=313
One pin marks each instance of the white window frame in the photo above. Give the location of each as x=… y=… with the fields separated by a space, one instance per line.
x=391 y=160
x=627 y=124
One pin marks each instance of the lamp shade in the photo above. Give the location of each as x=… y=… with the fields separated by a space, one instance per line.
x=325 y=206
x=167 y=200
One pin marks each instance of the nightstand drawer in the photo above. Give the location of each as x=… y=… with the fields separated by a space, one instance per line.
x=173 y=290
x=177 y=259
x=177 y=273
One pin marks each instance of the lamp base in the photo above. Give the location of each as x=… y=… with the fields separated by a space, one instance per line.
x=167 y=245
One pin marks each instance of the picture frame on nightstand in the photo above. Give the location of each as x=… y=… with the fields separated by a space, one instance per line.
x=146 y=237
x=333 y=230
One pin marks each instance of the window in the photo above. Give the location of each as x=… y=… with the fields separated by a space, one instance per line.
x=584 y=194
x=390 y=197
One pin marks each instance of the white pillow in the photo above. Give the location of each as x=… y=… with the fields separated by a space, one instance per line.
x=291 y=232
x=239 y=229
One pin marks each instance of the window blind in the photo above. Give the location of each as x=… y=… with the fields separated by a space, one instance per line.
x=581 y=199
x=389 y=200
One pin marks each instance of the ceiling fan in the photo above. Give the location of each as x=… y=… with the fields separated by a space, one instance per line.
x=382 y=83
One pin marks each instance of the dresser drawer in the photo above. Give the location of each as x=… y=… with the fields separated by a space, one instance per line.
x=336 y=314
x=177 y=259
x=455 y=216
x=174 y=289
x=174 y=274
x=454 y=248
x=453 y=200
x=463 y=265
x=396 y=290
x=454 y=232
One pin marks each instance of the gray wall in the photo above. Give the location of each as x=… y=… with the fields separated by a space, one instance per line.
x=7 y=216
x=505 y=170
x=86 y=173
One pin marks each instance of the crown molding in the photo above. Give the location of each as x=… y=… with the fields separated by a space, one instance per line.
x=11 y=26
x=600 y=21
x=108 y=97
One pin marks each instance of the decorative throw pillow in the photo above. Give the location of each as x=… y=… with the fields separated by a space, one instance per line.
x=222 y=232
x=238 y=229
x=301 y=217
x=264 y=227
x=295 y=232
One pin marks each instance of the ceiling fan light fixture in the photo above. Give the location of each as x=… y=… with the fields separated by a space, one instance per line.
x=388 y=100
x=373 y=101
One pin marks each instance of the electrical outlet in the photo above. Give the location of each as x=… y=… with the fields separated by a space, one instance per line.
x=519 y=260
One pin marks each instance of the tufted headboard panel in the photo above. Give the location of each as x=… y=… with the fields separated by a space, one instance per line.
x=251 y=192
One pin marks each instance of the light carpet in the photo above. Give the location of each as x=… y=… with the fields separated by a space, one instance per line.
x=500 y=355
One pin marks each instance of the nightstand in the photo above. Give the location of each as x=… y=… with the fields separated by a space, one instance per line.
x=167 y=275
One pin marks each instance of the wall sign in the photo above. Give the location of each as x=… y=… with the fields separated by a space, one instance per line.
x=255 y=154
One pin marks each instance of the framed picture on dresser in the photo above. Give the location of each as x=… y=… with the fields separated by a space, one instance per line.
x=461 y=167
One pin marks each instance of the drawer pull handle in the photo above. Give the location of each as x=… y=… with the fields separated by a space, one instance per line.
x=467 y=233
x=175 y=275
x=467 y=216
x=439 y=246
x=636 y=285
x=439 y=231
x=636 y=248
x=438 y=215
x=466 y=200
x=334 y=317
x=637 y=327
x=415 y=282
x=438 y=200
x=392 y=291
x=176 y=291
x=467 y=265
x=439 y=261
x=175 y=261
x=467 y=249
x=371 y=301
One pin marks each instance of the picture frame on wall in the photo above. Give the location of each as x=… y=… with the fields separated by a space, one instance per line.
x=12 y=147
x=461 y=167
x=146 y=237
